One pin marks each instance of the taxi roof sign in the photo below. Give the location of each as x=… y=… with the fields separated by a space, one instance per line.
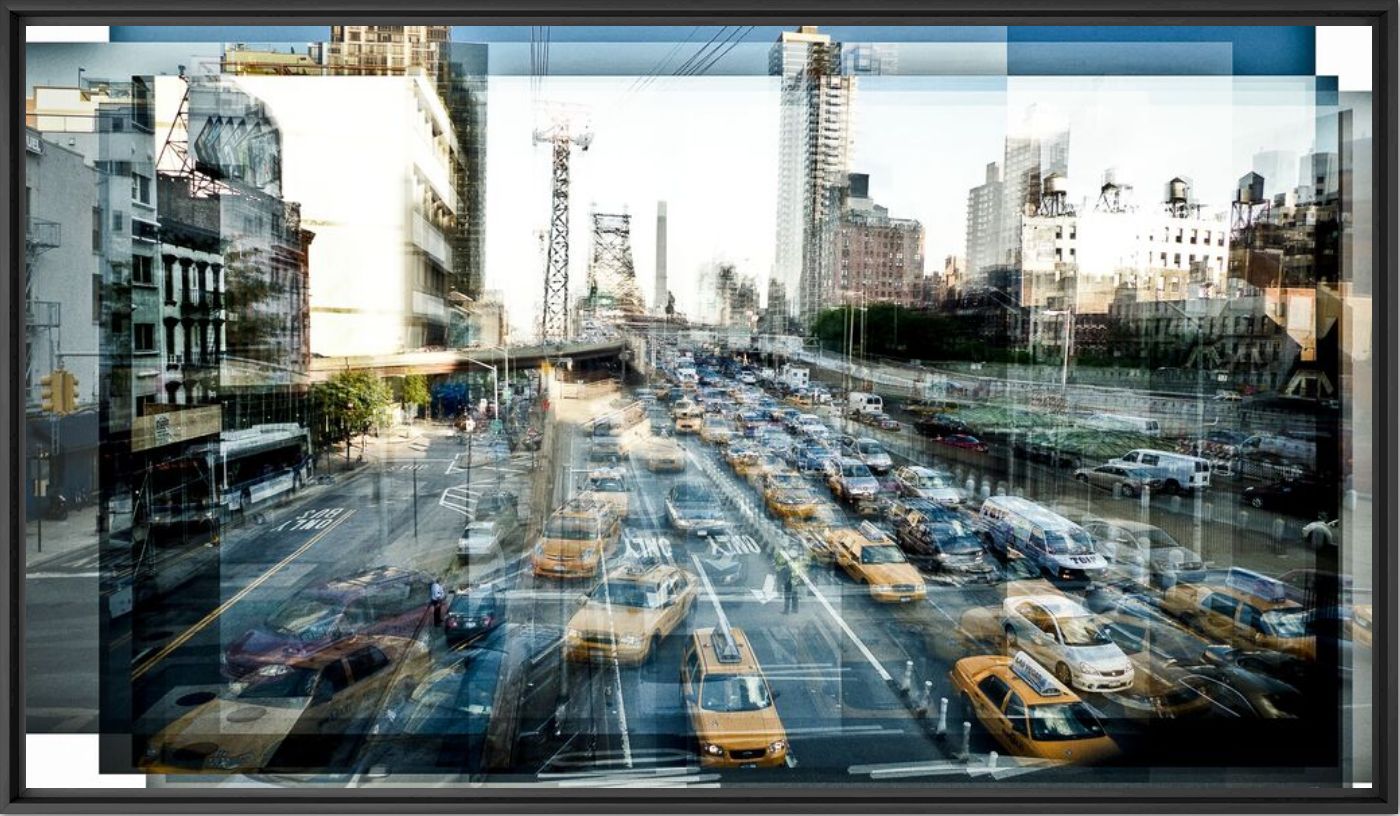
x=1035 y=675
x=871 y=532
x=726 y=649
x=1253 y=583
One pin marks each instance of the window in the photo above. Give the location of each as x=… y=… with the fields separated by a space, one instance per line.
x=96 y=229
x=143 y=269
x=140 y=188
x=96 y=298
x=116 y=222
x=366 y=662
x=144 y=336
x=994 y=689
x=1221 y=604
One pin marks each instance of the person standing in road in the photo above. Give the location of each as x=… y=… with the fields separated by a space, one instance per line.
x=788 y=574
x=436 y=595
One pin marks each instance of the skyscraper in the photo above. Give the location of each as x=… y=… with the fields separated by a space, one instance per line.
x=387 y=50
x=984 y=223
x=813 y=157
x=1037 y=150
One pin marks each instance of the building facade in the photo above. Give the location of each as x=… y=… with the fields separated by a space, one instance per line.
x=813 y=156
x=871 y=255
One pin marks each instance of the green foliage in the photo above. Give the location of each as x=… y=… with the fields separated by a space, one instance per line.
x=350 y=403
x=897 y=331
x=415 y=389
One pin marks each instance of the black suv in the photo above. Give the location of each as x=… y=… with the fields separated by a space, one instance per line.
x=938 y=538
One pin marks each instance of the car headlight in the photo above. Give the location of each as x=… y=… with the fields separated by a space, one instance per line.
x=777 y=746
x=631 y=640
x=539 y=549
x=881 y=587
x=711 y=749
x=574 y=634
x=1085 y=668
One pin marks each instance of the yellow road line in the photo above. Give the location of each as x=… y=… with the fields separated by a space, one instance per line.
x=226 y=605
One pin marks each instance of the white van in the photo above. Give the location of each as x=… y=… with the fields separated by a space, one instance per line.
x=1058 y=547
x=1179 y=472
x=1123 y=422
x=860 y=402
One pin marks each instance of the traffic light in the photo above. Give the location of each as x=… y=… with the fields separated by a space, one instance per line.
x=50 y=392
x=58 y=392
x=70 y=392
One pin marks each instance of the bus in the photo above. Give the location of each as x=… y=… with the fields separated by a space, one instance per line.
x=243 y=470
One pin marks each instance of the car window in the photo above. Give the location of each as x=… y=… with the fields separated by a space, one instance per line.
x=994 y=689
x=1149 y=459
x=365 y=662
x=1016 y=713
x=358 y=614
x=1221 y=604
x=333 y=679
x=1251 y=617
x=692 y=665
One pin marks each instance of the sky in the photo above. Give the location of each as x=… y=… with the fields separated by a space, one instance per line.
x=708 y=144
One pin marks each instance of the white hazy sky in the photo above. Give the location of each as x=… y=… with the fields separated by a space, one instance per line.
x=708 y=146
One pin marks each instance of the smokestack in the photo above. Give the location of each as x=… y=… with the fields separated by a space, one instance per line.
x=659 y=297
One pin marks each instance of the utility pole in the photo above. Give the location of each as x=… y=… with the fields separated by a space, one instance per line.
x=554 y=317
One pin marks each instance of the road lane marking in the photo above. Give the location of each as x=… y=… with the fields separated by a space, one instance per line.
x=841 y=622
x=198 y=627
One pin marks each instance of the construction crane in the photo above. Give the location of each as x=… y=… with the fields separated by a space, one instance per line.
x=554 y=309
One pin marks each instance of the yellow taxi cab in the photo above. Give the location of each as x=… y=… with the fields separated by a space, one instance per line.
x=801 y=399
x=716 y=429
x=742 y=458
x=609 y=485
x=759 y=471
x=627 y=615
x=1028 y=712
x=575 y=540
x=729 y=702
x=787 y=495
x=309 y=696
x=688 y=423
x=820 y=522
x=664 y=455
x=870 y=557
x=1246 y=610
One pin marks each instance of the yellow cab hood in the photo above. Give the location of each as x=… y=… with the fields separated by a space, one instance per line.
x=742 y=729
x=625 y=620
x=892 y=574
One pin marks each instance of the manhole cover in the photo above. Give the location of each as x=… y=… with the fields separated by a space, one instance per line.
x=245 y=714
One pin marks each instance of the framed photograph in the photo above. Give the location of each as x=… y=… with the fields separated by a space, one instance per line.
x=600 y=407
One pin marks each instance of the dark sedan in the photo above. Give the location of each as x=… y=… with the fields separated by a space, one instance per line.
x=1298 y=497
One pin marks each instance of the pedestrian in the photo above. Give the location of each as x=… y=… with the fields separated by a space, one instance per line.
x=790 y=587
x=437 y=596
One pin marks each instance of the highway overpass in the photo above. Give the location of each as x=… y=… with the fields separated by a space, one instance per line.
x=462 y=360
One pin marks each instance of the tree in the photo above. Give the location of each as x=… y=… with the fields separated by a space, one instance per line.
x=415 y=392
x=350 y=403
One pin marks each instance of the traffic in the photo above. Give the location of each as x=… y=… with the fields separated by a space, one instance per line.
x=740 y=572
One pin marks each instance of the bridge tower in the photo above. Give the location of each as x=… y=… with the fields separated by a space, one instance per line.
x=554 y=314
x=612 y=278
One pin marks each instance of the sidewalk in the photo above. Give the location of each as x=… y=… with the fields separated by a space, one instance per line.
x=49 y=542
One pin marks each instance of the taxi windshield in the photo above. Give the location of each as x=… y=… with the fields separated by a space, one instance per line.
x=746 y=692
x=1287 y=623
x=932 y=481
x=1069 y=542
x=1082 y=630
x=628 y=593
x=572 y=529
x=606 y=485
x=881 y=555
x=788 y=480
x=1063 y=721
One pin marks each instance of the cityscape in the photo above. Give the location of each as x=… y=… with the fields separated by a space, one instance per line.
x=419 y=414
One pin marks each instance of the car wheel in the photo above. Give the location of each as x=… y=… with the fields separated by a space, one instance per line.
x=1125 y=491
x=1062 y=673
x=1009 y=637
x=1082 y=478
x=653 y=650
x=1256 y=502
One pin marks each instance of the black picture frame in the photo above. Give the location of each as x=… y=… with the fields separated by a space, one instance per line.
x=1379 y=15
